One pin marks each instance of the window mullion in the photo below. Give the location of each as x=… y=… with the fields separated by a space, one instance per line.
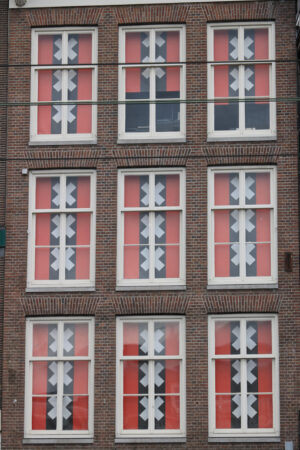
x=151 y=400
x=242 y=105
x=152 y=106
x=62 y=238
x=60 y=376
x=242 y=227
x=151 y=227
x=243 y=395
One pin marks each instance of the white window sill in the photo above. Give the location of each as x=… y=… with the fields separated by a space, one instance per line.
x=64 y=142
x=157 y=140
x=145 y=440
x=244 y=439
x=240 y=138
x=52 y=441
x=60 y=289
x=161 y=287
x=242 y=286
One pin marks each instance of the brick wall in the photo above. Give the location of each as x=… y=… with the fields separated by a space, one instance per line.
x=196 y=155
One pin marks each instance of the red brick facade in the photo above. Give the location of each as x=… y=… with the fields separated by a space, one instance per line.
x=196 y=155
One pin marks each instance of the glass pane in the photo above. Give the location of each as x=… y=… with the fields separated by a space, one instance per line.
x=226 y=188
x=44 y=340
x=167 y=377
x=80 y=88
x=136 y=228
x=137 y=118
x=166 y=338
x=226 y=116
x=76 y=377
x=50 y=49
x=257 y=114
x=228 y=375
x=258 y=256
x=76 y=339
x=167 y=190
x=228 y=411
x=167 y=412
x=49 y=88
x=259 y=337
x=44 y=413
x=257 y=188
x=260 y=411
x=135 y=413
x=227 y=260
x=78 y=192
x=137 y=87
x=167 y=117
x=226 y=84
x=226 y=45
x=259 y=375
x=46 y=263
x=167 y=46
x=137 y=47
x=256 y=44
x=47 y=229
x=167 y=227
x=77 y=264
x=135 y=379
x=75 y=412
x=78 y=229
x=167 y=260
x=44 y=377
x=136 y=191
x=136 y=262
x=79 y=48
x=47 y=193
x=227 y=337
x=135 y=339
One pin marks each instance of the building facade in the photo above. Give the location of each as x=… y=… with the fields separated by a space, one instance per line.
x=152 y=222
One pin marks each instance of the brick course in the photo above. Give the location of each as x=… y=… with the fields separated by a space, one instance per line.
x=106 y=156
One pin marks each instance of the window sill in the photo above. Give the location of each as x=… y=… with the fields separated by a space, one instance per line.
x=152 y=288
x=145 y=440
x=244 y=439
x=242 y=286
x=63 y=142
x=158 y=140
x=240 y=138
x=60 y=289
x=58 y=441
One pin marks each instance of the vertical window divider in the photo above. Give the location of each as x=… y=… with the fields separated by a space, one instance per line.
x=242 y=224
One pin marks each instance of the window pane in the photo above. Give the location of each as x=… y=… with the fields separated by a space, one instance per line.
x=256 y=44
x=135 y=339
x=76 y=339
x=260 y=411
x=75 y=413
x=137 y=88
x=136 y=257
x=167 y=412
x=78 y=229
x=46 y=263
x=44 y=413
x=258 y=256
x=227 y=260
x=44 y=340
x=137 y=47
x=227 y=256
x=259 y=337
x=167 y=46
x=167 y=190
x=259 y=375
x=228 y=375
x=135 y=379
x=47 y=229
x=226 y=188
x=77 y=264
x=135 y=413
x=257 y=114
x=228 y=411
x=80 y=88
x=167 y=87
x=44 y=377
x=257 y=188
x=76 y=377
x=49 y=89
x=136 y=228
x=136 y=262
x=50 y=49
x=226 y=45
x=136 y=191
x=79 y=48
x=166 y=338
x=78 y=192
x=167 y=377
x=226 y=84
x=47 y=193
x=227 y=337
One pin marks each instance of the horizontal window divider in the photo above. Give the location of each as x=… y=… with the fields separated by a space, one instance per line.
x=245 y=356
x=153 y=208
x=150 y=358
x=243 y=206
x=60 y=358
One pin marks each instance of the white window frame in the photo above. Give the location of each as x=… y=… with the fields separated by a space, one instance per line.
x=242 y=279
x=152 y=135
x=64 y=137
x=244 y=431
x=151 y=433
x=242 y=133
x=60 y=321
x=60 y=284
x=152 y=281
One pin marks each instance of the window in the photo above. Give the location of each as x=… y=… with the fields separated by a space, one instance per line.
x=59 y=377
x=242 y=68
x=152 y=83
x=64 y=70
x=242 y=226
x=151 y=228
x=243 y=376
x=150 y=377
x=61 y=250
